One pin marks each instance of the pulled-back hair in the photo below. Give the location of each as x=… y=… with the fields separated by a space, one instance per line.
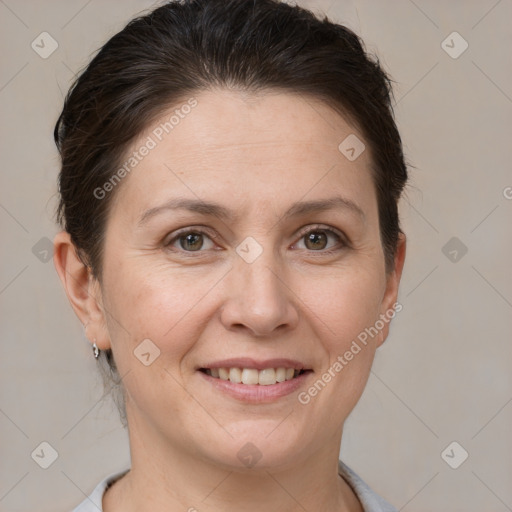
x=184 y=47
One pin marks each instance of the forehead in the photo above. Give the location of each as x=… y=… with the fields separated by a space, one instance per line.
x=231 y=117
x=262 y=147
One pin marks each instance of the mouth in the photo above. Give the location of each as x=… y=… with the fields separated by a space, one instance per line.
x=254 y=376
x=255 y=381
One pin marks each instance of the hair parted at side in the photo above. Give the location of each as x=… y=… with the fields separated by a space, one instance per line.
x=183 y=47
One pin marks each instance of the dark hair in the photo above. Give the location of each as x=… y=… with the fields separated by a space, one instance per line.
x=187 y=46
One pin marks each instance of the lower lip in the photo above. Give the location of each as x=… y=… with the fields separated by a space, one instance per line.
x=255 y=393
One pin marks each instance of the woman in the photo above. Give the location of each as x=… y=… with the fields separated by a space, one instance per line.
x=231 y=243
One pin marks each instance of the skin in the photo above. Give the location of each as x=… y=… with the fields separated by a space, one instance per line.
x=256 y=154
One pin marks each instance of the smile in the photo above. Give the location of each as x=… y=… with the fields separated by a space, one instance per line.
x=252 y=376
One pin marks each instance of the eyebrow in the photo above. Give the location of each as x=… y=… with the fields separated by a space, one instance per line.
x=225 y=214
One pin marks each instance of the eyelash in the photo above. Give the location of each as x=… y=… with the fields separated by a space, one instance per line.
x=310 y=229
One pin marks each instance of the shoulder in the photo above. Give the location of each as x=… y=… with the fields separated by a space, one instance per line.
x=370 y=501
x=94 y=502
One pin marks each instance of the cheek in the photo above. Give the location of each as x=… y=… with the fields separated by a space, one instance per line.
x=172 y=307
x=164 y=305
x=347 y=307
x=345 y=304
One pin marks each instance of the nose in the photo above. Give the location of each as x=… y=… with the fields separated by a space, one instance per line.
x=258 y=299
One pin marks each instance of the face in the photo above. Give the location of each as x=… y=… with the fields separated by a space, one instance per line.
x=256 y=282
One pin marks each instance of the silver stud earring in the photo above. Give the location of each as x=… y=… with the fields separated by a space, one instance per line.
x=95 y=350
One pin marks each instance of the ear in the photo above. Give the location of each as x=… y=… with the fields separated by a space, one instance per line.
x=82 y=289
x=389 y=300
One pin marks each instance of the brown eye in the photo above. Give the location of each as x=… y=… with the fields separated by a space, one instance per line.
x=190 y=241
x=316 y=239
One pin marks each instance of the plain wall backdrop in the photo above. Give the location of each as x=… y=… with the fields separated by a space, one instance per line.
x=443 y=375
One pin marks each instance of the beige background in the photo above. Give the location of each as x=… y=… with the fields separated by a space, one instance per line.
x=445 y=372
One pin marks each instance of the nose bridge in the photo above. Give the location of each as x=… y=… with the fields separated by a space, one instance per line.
x=258 y=298
x=261 y=282
x=261 y=286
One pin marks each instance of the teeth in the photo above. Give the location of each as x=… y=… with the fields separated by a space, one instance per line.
x=267 y=377
x=235 y=375
x=281 y=374
x=251 y=376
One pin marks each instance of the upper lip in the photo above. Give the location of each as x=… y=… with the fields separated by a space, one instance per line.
x=261 y=364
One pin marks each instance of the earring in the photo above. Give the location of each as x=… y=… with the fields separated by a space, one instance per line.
x=95 y=350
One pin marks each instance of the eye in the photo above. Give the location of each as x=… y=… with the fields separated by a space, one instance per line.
x=316 y=239
x=190 y=240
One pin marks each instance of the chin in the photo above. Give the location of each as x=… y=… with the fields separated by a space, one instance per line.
x=256 y=445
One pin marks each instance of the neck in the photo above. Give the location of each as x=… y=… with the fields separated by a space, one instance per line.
x=165 y=477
